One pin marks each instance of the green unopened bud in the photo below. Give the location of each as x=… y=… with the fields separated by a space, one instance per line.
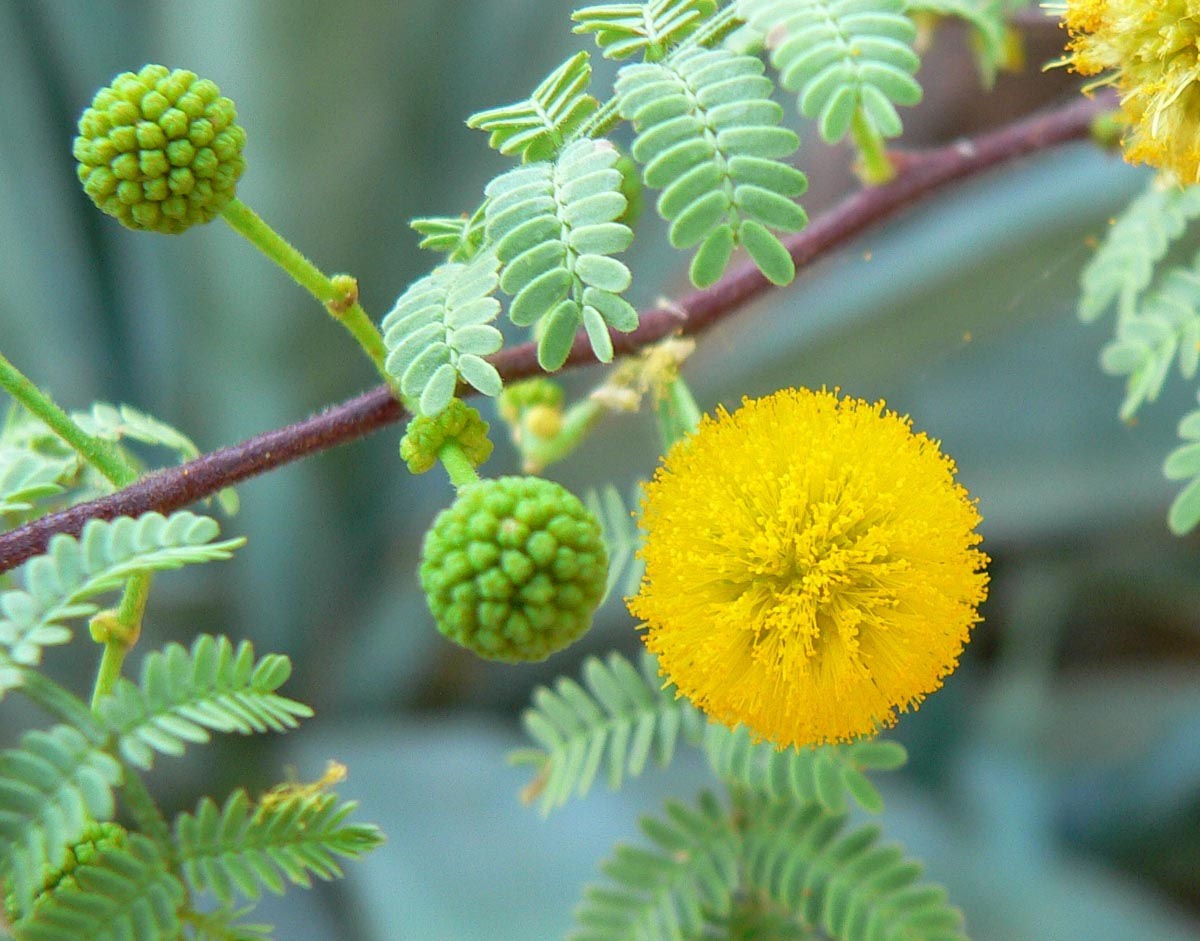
x=514 y=569
x=428 y=434
x=160 y=150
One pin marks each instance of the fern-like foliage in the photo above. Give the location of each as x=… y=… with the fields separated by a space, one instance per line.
x=688 y=876
x=616 y=719
x=621 y=538
x=27 y=477
x=459 y=238
x=1140 y=237
x=844 y=883
x=649 y=29
x=243 y=848
x=554 y=226
x=183 y=694
x=537 y=127
x=988 y=24
x=440 y=330
x=59 y=584
x=124 y=894
x=1165 y=328
x=51 y=788
x=825 y=776
x=848 y=60
x=223 y=925
x=123 y=422
x=1184 y=464
x=708 y=138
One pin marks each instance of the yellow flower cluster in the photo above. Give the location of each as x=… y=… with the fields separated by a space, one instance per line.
x=810 y=567
x=1150 y=51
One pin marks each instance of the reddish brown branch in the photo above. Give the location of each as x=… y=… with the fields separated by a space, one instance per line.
x=920 y=174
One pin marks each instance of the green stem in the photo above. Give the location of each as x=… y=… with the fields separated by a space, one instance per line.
x=119 y=636
x=147 y=818
x=875 y=168
x=100 y=454
x=338 y=294
x=578 y=421
x=108 y=460
x=458 y=465
x=64 y=705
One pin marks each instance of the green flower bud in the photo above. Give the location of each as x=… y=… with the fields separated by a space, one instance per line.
x=427 y=434
x=520 y=396
x=160 y=150
x=514 y=569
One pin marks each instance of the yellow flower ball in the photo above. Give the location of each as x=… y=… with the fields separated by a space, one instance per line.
x=1149 y=51
x=810 y=567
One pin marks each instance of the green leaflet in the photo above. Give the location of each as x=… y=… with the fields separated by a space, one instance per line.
x=843 y=882
x=441 y=329
x=626 y=29
x=621 y=538
x=616 y=719
x=1140 y=237
x=825 y=775
x=537 y=127
x=457 y=237
x=243 y=848
x=51 y=788
x=183 y=694
x=687 y=876
x=708 y=138
x=59 y=584
x=554 y=227
x=989 y=28
x=1181 y=464
x=123 y=422
x=842 y=57
x=27 y=477
x=122 y=895
x=1165 y=328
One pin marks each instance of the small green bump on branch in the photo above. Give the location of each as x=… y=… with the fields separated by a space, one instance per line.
x=160 y=150
x=427 y=435
x=514 y=569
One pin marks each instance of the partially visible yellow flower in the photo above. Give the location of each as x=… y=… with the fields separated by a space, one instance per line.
x=810 y=567
x=1148 y=49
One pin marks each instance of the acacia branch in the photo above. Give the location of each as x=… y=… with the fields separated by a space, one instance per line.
x=920 y=174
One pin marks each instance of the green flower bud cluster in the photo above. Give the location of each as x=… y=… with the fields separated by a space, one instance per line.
x=514 y=569
x=160 y=149
x=428 y=434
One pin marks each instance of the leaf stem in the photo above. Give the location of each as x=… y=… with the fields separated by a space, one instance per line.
x=338 y=294
x=100 y=454
x=875 y=167
x=119 y=633
x=458 y=465
x=105 y=457
x=145 y=812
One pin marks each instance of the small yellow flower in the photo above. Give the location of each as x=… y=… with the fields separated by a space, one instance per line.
x=810 y=567
x=1148 y=49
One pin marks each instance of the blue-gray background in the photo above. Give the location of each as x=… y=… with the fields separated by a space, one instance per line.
x=1053 y=783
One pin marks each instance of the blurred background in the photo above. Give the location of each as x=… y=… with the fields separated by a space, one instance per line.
x=1054 y=783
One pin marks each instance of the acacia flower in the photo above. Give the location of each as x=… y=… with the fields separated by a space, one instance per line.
x=810 y=567
x=1149 y=51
